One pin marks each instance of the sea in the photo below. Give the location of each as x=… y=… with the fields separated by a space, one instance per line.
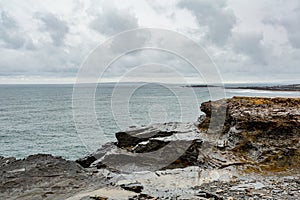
x=51 y=119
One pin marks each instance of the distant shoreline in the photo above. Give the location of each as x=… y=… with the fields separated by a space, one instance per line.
x=294 y=87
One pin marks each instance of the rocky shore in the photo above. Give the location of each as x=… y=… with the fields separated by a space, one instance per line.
x=241 y=148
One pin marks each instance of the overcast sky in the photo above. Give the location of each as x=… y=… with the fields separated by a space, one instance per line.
x=42 y=41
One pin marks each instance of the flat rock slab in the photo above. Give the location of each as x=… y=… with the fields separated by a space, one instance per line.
x=44 y=176
x=105 y=193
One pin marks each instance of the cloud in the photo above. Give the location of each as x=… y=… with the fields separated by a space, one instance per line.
x=11 y=35
x=250 y=44
x=214 y=15
x=113 y=20
x=254 y=39
x=290 y=22
x=43 y=61
x=56 y=27
x=142 y=57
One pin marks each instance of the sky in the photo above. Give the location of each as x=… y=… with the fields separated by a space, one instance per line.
x=249 y=41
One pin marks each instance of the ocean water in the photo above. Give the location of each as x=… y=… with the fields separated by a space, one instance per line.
x=40 y=118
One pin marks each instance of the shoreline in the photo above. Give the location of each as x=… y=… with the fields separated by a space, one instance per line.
x=287 y=88
x=254 y=155
x=279 y=88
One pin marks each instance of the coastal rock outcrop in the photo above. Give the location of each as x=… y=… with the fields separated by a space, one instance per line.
x=241 y=148
x=263 y=132
x=168 y=146
x=257 y=133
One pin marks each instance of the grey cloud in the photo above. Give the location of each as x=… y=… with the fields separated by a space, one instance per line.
x=130 y=40
x=19 y=56
x=56 y=27
x=113 y=20
x=11 y=35
x=214 y=15
x=146 y=56
x=154 y=45
x=7 y=21
x=46 y=60
x=291 y=24
x=238 y=55
x=250 y=44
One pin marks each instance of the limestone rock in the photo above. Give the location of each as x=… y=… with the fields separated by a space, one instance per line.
x=262 y=131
